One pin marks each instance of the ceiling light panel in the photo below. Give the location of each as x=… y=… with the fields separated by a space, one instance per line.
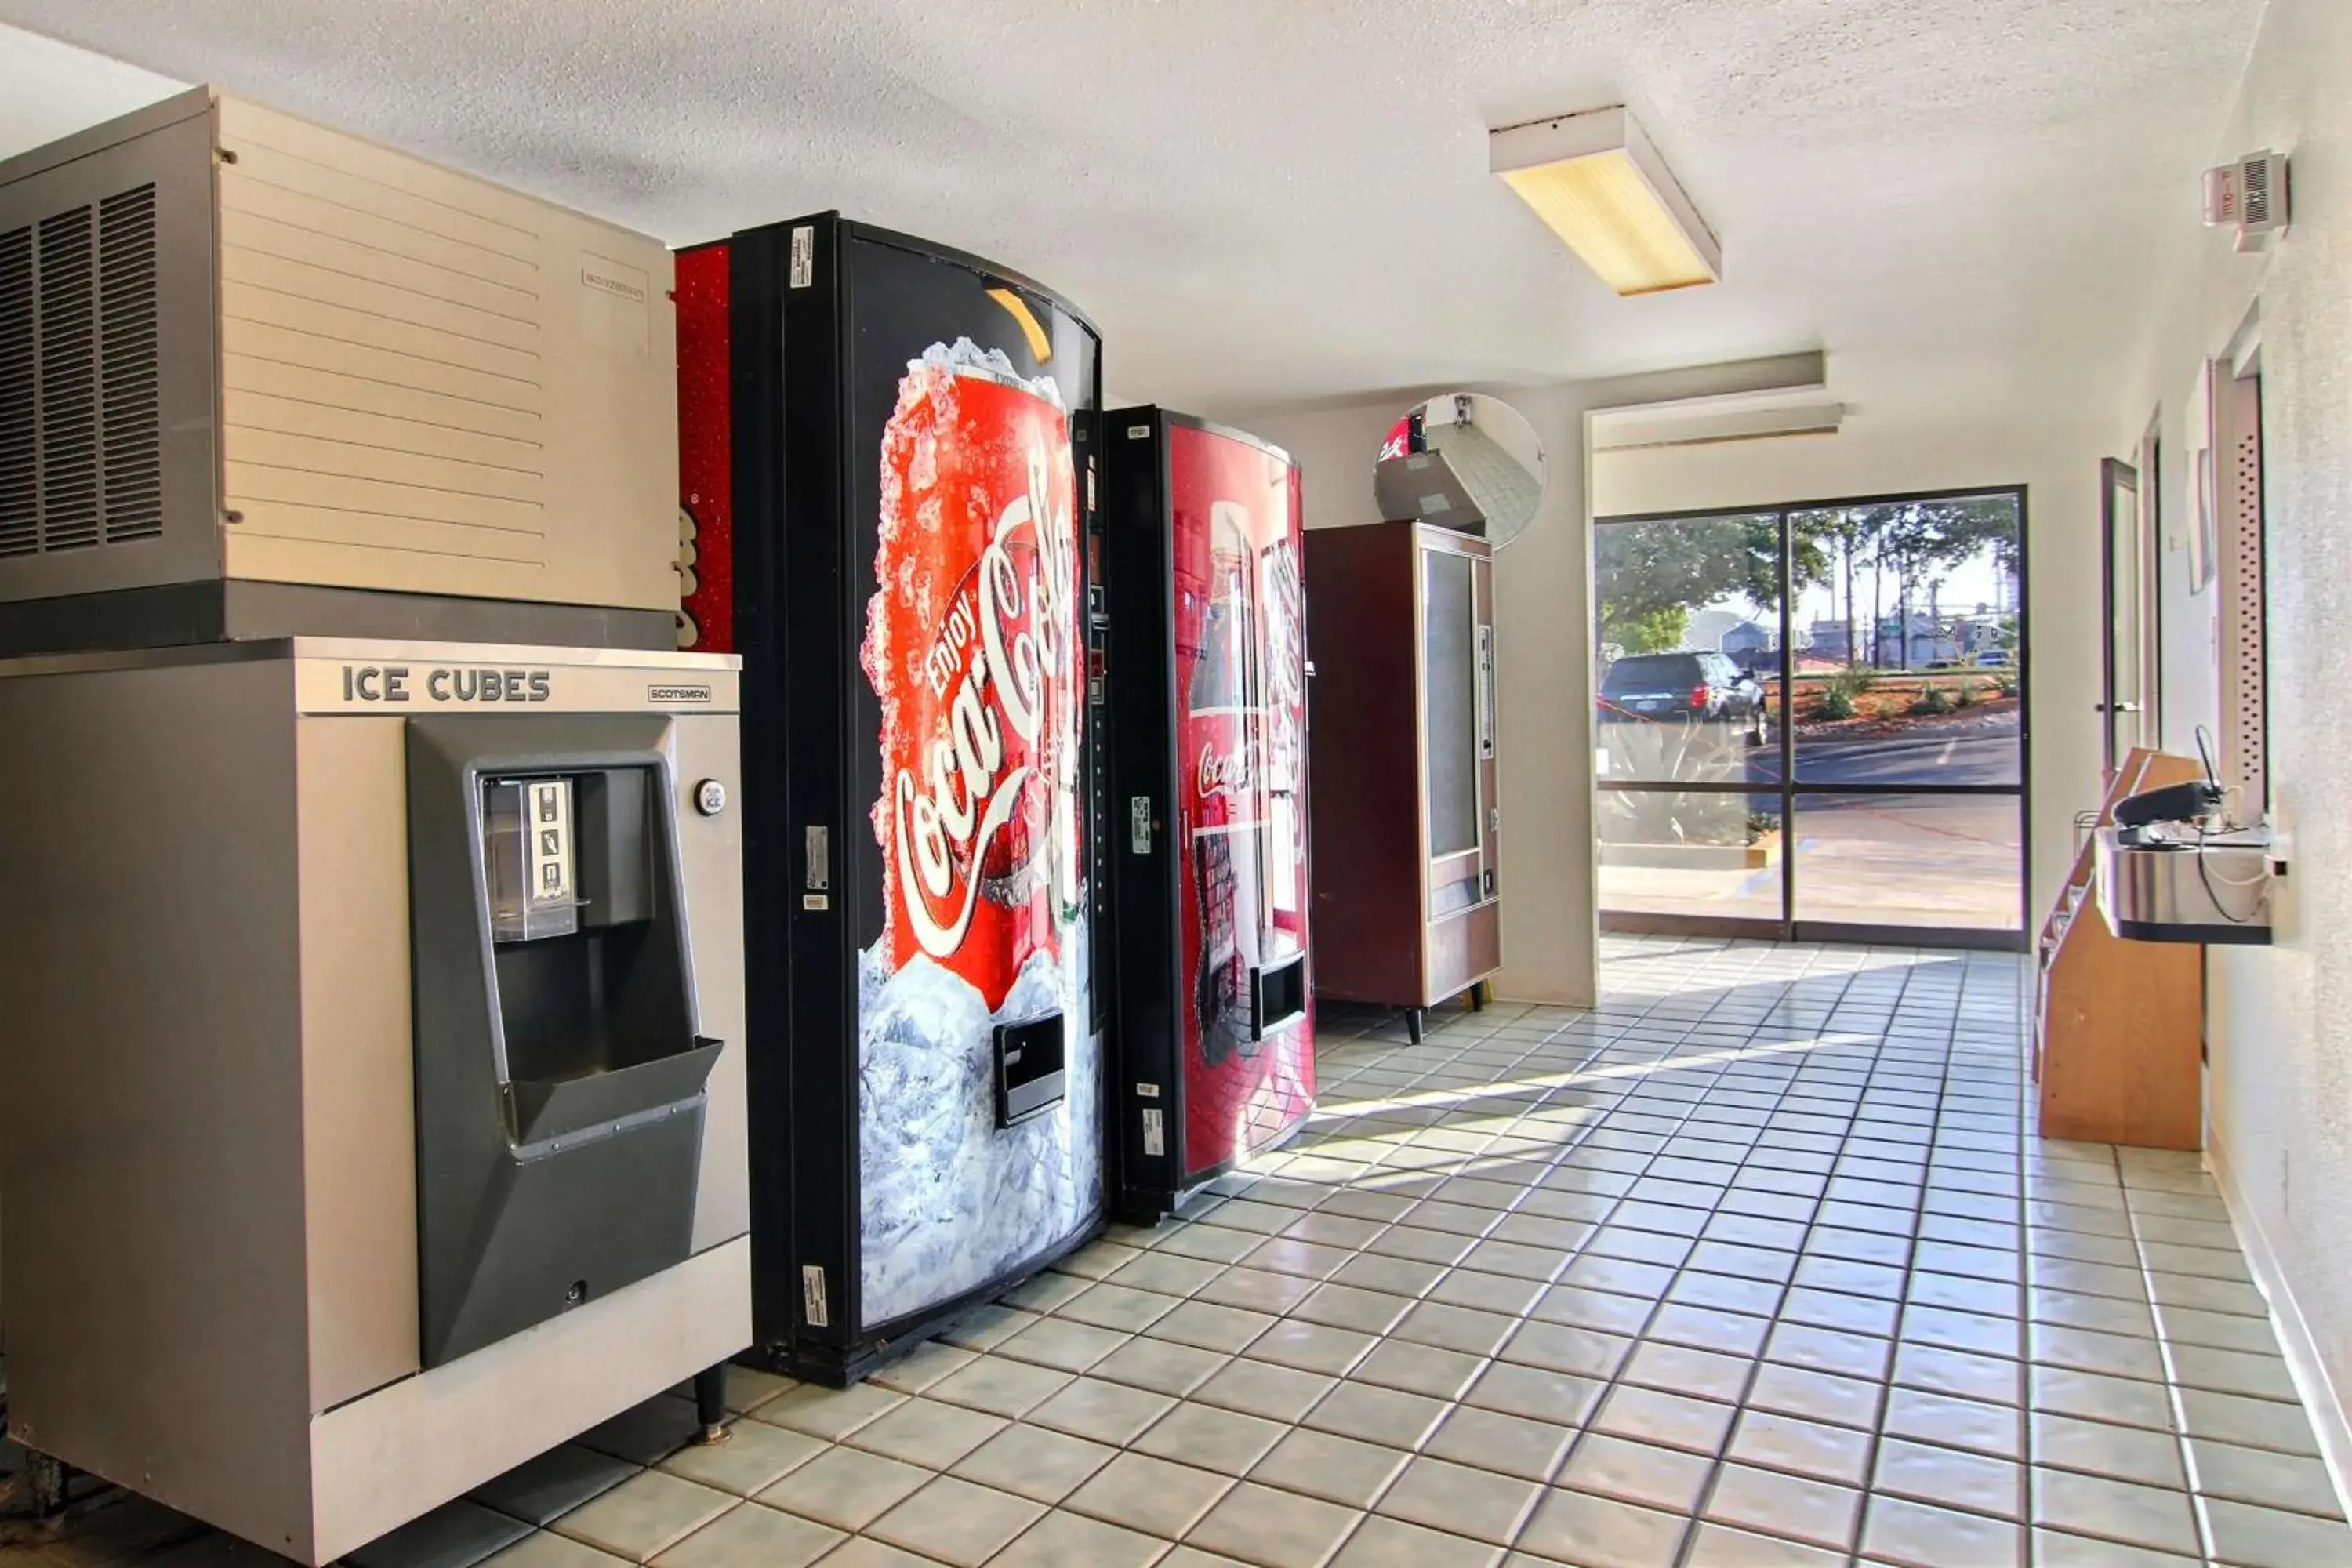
x=1596 y=182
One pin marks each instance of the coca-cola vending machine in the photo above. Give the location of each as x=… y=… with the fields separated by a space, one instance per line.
x=1214 y=1054
x=906 y=498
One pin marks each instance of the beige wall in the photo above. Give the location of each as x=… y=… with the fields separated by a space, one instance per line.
x=1542 y=627
x=2279 y=1019
x=1875 y=455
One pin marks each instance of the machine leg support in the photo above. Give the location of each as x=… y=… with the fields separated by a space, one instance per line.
x=1413 y=1025
x=711 y=1404
x=1478 y=997
x=45 y=1476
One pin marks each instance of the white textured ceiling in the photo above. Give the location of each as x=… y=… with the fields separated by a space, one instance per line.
x=1266 y=201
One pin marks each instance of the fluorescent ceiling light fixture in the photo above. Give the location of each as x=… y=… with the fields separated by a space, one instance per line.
x=1595 y=179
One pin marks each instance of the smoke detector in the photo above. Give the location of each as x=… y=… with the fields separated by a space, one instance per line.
x=2249 y=195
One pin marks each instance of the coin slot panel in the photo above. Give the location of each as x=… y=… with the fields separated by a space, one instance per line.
x=1032 y=1075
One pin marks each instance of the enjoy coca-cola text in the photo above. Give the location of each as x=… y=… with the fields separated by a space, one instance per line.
x=994 y=659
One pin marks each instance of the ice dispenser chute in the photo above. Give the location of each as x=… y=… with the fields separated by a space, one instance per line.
x=560 y=1072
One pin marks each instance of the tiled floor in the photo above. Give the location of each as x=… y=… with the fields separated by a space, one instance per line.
x=1755 y=1265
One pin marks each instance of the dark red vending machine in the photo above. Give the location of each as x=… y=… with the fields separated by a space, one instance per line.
x=904 y=492
x=1214 y=1053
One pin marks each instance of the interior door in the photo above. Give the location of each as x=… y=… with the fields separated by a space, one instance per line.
x=2124 y=703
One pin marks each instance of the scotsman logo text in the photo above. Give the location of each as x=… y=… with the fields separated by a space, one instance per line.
x=606 y=283
x=398 y=683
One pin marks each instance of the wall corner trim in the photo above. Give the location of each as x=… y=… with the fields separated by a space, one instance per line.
x=2328 y=1421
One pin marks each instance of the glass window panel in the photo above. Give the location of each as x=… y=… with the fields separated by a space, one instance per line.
x=1903 y=629
x=1689 y=654
x=1949 y=861
x=1907 y=626
x=1451 y=667
x=1690 y=853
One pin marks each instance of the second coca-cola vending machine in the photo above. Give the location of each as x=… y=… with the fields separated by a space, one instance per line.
x=1214 y=1038
x=888 y=482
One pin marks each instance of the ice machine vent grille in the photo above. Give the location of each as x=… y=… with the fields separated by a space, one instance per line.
x=134 y=447
x=20 y=529
x=66 y=327
x=80 y=425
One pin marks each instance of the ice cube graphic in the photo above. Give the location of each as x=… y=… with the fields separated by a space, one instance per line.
x=968 y=358
x=950 y=1200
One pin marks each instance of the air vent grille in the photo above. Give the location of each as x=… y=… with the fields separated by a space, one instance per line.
x=20 y=526
x=80 y=423
x=132 y=448
x=2254 y=177
x=68 y=331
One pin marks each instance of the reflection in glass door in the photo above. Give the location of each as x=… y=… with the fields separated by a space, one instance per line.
x=1808 y=721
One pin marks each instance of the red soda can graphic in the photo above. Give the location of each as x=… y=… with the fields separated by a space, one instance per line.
x=972 y=649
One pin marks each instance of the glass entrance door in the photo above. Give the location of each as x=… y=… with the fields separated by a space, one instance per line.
x=1808 y=721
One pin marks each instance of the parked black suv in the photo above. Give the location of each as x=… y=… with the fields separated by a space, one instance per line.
x=1685 y=689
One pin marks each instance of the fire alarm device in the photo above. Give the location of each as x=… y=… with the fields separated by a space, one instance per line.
x=2251 y=195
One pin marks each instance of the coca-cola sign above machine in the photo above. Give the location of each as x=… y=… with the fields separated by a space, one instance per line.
x=910 y=499
x=1214 y=1047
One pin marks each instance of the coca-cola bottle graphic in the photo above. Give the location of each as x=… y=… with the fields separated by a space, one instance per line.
x=1221 y=729
x=1282 y=772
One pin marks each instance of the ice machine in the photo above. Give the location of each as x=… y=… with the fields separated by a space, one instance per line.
x=374 y=1078
x=261 y=378
x=1212 y=1050
x=907 y=481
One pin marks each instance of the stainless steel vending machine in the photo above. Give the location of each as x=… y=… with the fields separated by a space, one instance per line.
x=374 y=1097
